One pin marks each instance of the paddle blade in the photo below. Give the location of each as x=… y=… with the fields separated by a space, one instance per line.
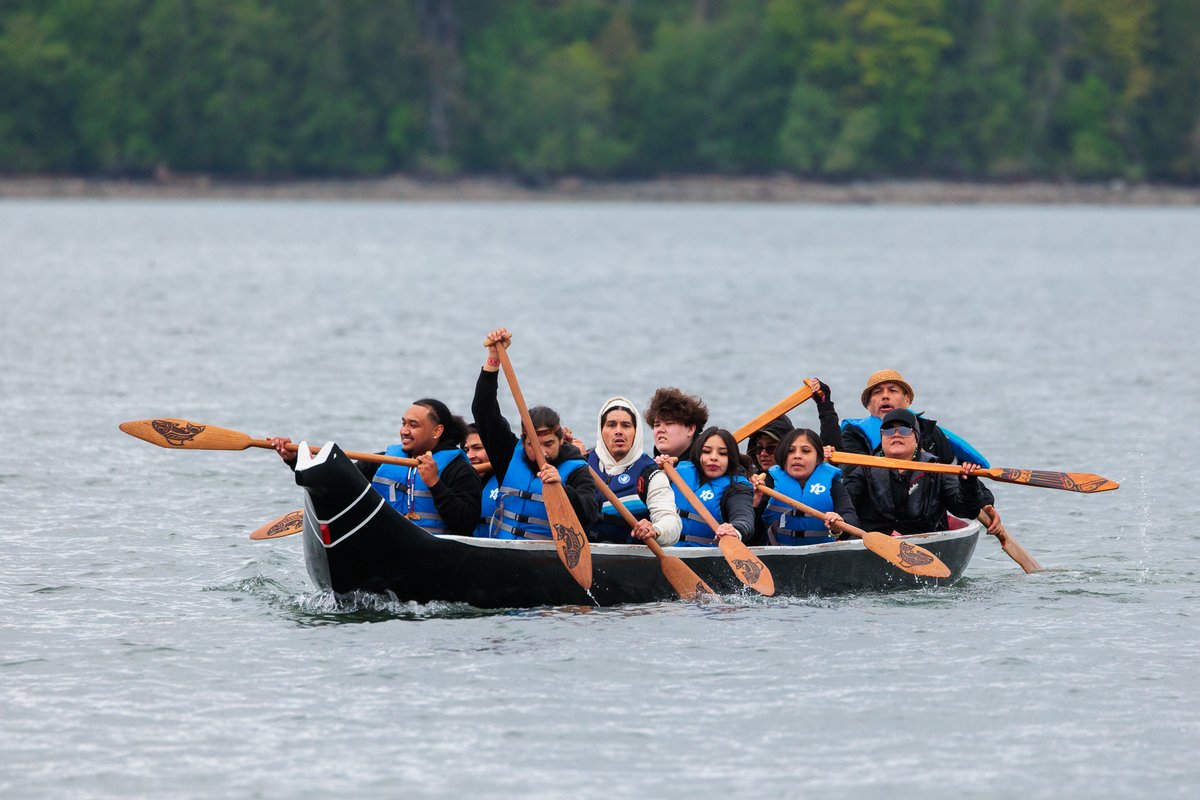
x=1084 y=482
x=686 y=583
x=288 y=524
x=185 y=434
x=569 y=538
x=747 y=566
x=911 y=558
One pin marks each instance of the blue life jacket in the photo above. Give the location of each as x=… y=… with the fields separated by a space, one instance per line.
x=405 y=491
x=963 y=451
x=491 y=493
x=790 y=525
x=610 y=527
x=521 y=509
x=869 y=428
x=696 y=532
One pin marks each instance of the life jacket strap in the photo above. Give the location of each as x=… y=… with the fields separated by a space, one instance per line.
x=390 y=484
x=520 y=533
x=520 y=518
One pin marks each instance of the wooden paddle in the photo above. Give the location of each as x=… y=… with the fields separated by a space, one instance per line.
x=687 y=584
x=569 y=538
x=911 y=558
x=747 y=566
x=1084 y=482
x=183 y=434
x=782 y=407
x=1013 y=547
x=290 y=523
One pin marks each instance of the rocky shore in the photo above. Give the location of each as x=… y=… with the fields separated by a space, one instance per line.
x=700 y=189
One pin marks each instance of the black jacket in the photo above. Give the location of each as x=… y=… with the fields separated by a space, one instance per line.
x=737 y=508
x=910 y=502
x=500 y=443
x=932 y=440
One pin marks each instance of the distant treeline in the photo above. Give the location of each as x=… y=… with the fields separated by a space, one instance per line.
x=979 y=89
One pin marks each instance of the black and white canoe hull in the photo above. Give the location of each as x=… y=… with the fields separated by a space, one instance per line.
x=354 y=541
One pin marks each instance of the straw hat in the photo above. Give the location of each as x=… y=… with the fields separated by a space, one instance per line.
x=886 y=376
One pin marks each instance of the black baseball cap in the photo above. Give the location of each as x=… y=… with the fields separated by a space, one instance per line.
x=900 y=415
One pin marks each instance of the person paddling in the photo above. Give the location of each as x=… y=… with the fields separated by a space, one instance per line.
x=714 y=474
x=620 y=460
x=886 y=390
x=801 y=473
x=478 y=457
x=521 y=510
x=909 y=501
x=441 y=493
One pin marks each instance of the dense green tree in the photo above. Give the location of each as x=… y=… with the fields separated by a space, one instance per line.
x=539 y=88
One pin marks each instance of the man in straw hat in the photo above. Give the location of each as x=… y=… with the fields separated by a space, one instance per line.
x=886 y=390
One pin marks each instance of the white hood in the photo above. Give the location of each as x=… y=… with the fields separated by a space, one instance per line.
x=607 y=463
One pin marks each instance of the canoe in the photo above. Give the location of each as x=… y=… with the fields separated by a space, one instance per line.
x=354 y=541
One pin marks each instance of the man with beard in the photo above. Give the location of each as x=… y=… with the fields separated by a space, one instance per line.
x=620 y=460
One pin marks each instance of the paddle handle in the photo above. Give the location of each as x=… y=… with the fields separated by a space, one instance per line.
x=374 y=458
x=687 y=492
x=810 y=511
x=838 y=457
x=782 y=407
x=519 y=399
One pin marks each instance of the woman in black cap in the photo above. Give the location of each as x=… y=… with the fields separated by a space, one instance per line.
x=907 y=501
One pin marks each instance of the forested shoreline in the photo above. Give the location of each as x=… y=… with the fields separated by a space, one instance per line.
x=997 y=91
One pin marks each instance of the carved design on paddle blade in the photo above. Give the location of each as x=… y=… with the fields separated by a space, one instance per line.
x=750 y=570
x=1087 y=484
x=287 y=524
x=572 y=544
x=914 y=557
x=174 y=433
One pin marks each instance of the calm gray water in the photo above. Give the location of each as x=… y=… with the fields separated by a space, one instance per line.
x=150 y=649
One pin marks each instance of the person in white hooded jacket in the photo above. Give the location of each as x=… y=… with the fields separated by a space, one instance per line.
x=620 y=460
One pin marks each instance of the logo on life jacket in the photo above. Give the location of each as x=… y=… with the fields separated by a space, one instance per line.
x=623 y=478
x=818 y=489
x=495 y=493
x=174 y=433
x=706 y=494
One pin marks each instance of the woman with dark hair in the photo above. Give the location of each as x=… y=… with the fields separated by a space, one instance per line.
x=801 y=473
x=521 y=511
x=714 y=473
x=478 y=457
